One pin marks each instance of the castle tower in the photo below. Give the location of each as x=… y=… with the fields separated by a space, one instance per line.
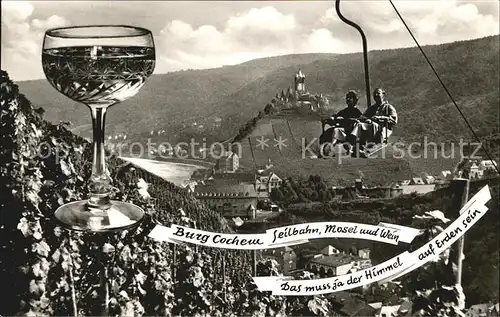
x=300 y=82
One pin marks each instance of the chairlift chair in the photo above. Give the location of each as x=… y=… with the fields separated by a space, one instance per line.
x=325 y=140
x=379 y=146
x=326 y=144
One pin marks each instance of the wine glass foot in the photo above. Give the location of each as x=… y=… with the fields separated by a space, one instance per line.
x=80 y=216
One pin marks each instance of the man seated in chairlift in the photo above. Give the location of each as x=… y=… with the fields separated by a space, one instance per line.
x=376 y=124
x=344 y=120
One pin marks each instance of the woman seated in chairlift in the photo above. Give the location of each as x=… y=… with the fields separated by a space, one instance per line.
x=342 y=123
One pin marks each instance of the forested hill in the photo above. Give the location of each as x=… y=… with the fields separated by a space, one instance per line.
x=174 y=101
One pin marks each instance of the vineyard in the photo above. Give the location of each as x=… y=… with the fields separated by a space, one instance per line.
x=45 y=270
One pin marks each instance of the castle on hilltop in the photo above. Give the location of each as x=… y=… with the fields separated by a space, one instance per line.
x=299 y=97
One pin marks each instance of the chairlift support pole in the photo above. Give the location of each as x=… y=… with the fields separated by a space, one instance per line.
x=460 y=197
x=254 y=252
x=365 y=50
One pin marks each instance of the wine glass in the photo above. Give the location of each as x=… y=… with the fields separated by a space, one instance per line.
x=99 y=66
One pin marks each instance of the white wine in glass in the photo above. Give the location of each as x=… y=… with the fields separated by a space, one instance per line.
x=99 y=66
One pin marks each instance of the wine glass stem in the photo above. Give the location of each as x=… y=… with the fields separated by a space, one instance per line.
x=100 y=182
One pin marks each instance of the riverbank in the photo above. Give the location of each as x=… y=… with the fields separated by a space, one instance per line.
x=175 y=171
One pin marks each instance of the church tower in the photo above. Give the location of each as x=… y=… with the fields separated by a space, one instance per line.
x=300 y=85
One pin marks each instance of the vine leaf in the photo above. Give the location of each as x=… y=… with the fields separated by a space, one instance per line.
x=41 y=248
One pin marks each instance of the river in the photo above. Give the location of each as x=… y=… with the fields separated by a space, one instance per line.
x=177 y=173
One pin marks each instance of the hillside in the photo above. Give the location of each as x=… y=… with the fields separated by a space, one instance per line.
x=171 y=99
x=470 y=69
x=43 y=268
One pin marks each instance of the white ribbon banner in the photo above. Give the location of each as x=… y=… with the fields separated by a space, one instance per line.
x=391 y=269
x=286 y=236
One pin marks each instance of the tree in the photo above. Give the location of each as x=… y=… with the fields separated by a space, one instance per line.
x=264 y=205
x=490 y=173
x=301 y=198
x=277 y=195
x=269 y=109
x=314 y=196
x=333 y=193
x=322 y=185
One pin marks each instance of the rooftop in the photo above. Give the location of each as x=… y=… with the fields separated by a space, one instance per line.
x=334 y=260
x=277 y=251
x=357 y=307
x=225 y=191
x=239 y=177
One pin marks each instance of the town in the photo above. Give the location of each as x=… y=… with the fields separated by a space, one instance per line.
x=257 y=196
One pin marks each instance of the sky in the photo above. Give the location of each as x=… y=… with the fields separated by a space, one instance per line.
x=208 y=34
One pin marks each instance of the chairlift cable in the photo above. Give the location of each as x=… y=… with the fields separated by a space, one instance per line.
x=276 y=138
x=253 y=155
x=444 y=87
x=291 y=134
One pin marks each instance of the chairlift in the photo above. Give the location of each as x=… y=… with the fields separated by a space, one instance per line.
x=327 y=147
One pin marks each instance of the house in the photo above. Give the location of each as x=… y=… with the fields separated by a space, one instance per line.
x=190 y=186
x=285 y=256
x=405 y=182
x=389 y=311
x=329 y=250
x=275 y=208
x=330 y=266
x=428 y=179
x=475 y=171
x=494 y=310
x=245 y=188
x=238 y=221
x=479 y=310
x=228 y=163
x=217 y=122
x=273 y=182
x=237 y=178
x=376 y=305
x=405 y=308
x=487 y=165
x=483 y=310
x=363 y=260
x=356 y=307
x=266 y=181
x=232 y=200
x=331 y=262
x=364 y=253
x=358 y=184
x=417 y=181
x=382 y=192
x=445 y=175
